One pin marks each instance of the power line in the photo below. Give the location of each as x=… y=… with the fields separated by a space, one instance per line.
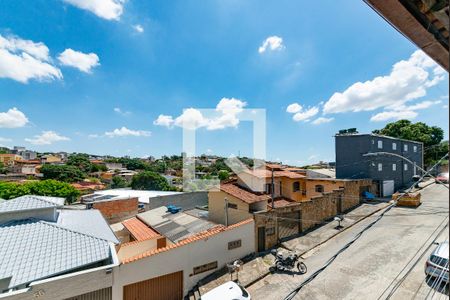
x=294 y=292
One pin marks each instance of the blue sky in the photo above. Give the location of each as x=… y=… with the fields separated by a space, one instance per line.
x=78 y=75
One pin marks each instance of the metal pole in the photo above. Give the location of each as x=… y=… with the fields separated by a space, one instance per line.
x=273 y=192
x=226 y=212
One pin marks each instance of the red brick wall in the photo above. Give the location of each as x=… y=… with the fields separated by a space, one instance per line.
x=117 y=210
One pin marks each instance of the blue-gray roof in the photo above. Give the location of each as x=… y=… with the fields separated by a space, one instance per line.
x=30 y=202
x=90 y=222
x=34 y=249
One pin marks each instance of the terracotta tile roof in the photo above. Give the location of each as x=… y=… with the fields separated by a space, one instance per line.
x=282 y=202
x=288 y=174
x=197 y=237
x=139 y=230
x=244 y=195
x=268 y=174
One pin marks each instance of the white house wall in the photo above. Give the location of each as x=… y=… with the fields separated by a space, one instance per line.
x=185 y=258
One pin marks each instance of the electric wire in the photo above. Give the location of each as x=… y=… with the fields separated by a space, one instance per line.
x=295 y=291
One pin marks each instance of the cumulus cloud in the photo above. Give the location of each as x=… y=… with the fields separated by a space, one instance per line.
x=394 y=115
x=272 y=43
x=227 y=116
x=13 y=118
x=407 y=81
x=164 y=120
x=82 y=61
x=22 y=60
x=306 y=115
x=403 y=111
x=121 y=132
x=293 y=108
x=322 y=120
x=46 y=138
x=138 y=28
x=106 y=9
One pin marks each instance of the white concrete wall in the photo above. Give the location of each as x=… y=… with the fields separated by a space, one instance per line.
x=135 y=248
x=185 y=258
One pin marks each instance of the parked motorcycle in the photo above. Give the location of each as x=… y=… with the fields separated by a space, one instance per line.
x=287 y=262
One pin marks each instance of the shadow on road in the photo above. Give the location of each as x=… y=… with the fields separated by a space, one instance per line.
x=437 y=284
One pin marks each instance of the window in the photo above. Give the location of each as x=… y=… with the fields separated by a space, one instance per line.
x=405 y=147
x=415 y=148
x=380 y=167
x=234 y=244
x=232 y=205
x=268 y=188
x=296 y=186
x=405 y=167
x=373 y=142
x=394 y=167
x=380 y=144
x=205 y=267
x=319 y=188
x=394 y=146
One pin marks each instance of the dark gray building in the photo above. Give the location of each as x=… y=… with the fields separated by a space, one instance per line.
x=390 y=171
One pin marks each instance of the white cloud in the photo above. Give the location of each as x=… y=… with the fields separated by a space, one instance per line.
x=13 y=118
x=106 y=9
x=322 y=120
x=191 y=119
x=418 y=106
x=403 y=111
x=22 y=60
x=121 y=112
x=227 y=116
x=272 y=43
x=305 y=114
x=293 y=108
x=164 y=120
x=394 y=115
x=46 y=138
x=408 y=80
x=82 y=61
x=138 y=28
x=120 y=132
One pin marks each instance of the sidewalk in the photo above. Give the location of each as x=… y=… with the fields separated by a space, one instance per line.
x=258 y=267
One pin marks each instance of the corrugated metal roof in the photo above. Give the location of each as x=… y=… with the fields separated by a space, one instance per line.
x=33 y=249
x=174 y=226
x=30 y=202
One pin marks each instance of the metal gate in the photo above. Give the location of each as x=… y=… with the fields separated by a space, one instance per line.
x=166 y=287
x=289 y=224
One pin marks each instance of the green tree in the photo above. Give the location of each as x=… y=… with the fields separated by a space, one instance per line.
x=81 y=161
x=118 y=182
x=98 y=168
x=62 y=173
x=9 y=190
x=3 y=169
x=430 y=136
x=149 y=180
x=224 y=175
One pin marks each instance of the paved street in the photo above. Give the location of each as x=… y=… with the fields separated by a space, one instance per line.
x=371 y=267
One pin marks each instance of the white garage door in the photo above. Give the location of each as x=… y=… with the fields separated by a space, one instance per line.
x=388 y=188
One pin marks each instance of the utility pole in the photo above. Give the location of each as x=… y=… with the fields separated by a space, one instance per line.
x=273 y=192
x=226 y=212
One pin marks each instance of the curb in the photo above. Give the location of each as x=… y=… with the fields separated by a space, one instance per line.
x=321 y=243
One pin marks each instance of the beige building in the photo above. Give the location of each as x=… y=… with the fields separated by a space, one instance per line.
x=9 y=159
